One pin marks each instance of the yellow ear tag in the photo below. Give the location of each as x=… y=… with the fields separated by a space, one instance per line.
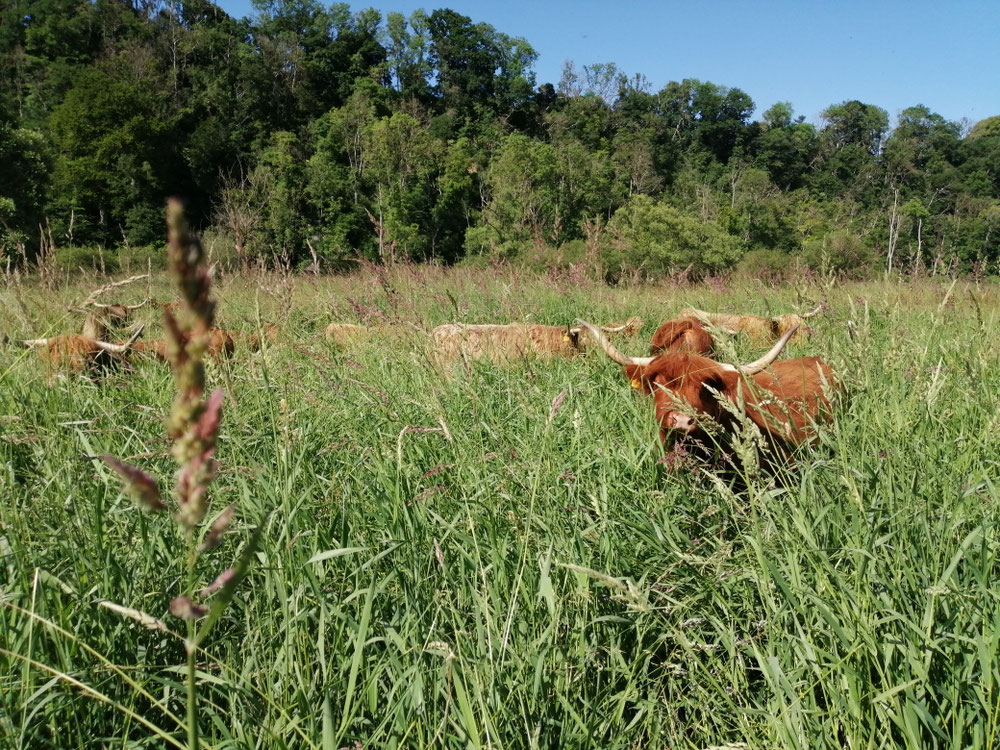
x=566 y=337
x=635 y=383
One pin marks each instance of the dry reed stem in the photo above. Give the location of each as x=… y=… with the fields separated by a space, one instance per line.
x=114 y=284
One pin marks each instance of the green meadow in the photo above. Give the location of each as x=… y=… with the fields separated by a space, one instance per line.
x=500 y=556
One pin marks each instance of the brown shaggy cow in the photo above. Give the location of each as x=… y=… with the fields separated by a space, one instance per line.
x=682 y=335
x=81 y=354
x=783 y=398
x=503 y=342
x=757 y=328
x=220 y=344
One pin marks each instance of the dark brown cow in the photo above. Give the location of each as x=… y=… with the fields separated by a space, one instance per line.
x=785 y=399
x=682 y=335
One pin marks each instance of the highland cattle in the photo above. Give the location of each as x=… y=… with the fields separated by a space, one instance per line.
x=757 y=328
x=80 y=354
x=784 y=398
x=682 y=335
x=500 y=343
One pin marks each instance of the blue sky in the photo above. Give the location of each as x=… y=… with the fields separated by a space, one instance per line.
x=812 y=53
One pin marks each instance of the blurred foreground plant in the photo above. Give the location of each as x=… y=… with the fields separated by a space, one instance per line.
x=193 y=426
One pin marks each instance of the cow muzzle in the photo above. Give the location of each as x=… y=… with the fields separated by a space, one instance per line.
x=674 y=420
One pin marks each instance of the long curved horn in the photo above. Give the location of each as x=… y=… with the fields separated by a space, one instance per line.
x=694 y=312
x=126 y=307
x=120 y=348
x=610 y=350
x=614 y=329
x=759 y=364
x=627 y=324
x=35 y=342
x=811 y=313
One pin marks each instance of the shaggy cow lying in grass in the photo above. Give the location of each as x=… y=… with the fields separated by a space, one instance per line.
x=81 y=353
x=503 y=342
x=757 y=328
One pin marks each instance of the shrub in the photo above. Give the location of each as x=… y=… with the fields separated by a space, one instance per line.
x=552 y=258
x=840 y=253
x=485 y=241
x=137 y=258
x=658 y=239
x=87 y=258
x=769 y=266
x=221 y=248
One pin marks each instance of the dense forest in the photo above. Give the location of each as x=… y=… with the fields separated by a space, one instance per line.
x=311 y=132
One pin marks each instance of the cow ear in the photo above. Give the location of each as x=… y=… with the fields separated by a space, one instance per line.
x=732 y=385
x=636 y=375
x=739 y=391
x=718 y=382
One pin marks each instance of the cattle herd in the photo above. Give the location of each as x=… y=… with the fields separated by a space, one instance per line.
x=695 y=398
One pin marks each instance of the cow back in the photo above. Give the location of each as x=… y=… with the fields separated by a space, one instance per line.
x=787 y=399
x=682 y=335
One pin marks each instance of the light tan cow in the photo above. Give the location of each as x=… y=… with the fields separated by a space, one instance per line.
x=505 y=342
x=757 y=328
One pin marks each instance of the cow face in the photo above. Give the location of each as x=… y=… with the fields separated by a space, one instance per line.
x=683 y=387
x=573 y=337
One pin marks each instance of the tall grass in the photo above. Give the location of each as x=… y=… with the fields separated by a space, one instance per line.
x=469 y=560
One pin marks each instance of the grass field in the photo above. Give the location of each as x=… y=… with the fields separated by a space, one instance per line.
x=499 y=557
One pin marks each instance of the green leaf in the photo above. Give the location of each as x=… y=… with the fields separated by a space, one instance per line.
x=319 y=556
x=229 y=589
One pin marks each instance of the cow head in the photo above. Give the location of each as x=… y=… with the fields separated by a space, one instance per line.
x=781 y=324
x=687 y=334
x=683 y=387
x=118 y=314
x=576 y=336
x=686 y=387
x=571 y=336
x=95 y=327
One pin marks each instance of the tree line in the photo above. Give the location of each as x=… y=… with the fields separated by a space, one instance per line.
x=317 y=132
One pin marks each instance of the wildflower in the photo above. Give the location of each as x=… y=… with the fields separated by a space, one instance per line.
x=214 y=536
x=221 y=580
x=138 y=484
x=183 y=608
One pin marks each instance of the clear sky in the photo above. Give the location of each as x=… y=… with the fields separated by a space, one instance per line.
x=944 y=54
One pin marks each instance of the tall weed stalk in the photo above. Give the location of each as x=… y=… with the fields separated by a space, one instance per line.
x=193 y=427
